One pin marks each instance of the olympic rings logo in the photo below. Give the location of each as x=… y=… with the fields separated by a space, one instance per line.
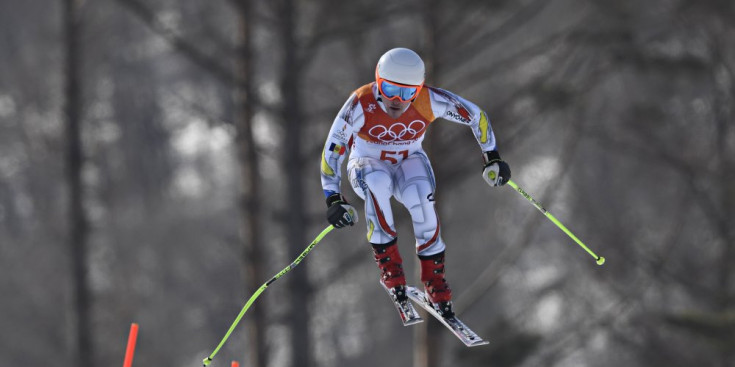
x=398 y=131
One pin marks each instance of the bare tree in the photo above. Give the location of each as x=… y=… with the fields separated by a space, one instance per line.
x=292 y=118
x=251 y=211
x=78 y=228
x=428 y=335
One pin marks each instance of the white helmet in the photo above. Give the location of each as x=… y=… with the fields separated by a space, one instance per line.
x=401 y=65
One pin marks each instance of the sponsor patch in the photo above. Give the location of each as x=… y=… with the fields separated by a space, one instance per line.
x=458 y=116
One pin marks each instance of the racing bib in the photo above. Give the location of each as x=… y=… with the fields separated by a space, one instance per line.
x=379 y=128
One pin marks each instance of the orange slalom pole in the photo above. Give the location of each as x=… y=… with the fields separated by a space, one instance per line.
x=235 y=364
x=130 y=351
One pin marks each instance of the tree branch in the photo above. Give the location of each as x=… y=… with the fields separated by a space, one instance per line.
x=152 y=21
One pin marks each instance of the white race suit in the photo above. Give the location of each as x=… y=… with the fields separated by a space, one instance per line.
x=386 y=158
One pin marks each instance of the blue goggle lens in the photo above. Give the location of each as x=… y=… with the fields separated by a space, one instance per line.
x=392 y=91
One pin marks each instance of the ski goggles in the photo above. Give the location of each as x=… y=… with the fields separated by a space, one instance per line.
x=401 y=92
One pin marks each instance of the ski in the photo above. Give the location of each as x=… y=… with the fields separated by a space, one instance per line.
x=458 y=328
x=406 y=311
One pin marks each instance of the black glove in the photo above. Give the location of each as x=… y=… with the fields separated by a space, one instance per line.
x=339 y=212
x=496 y=171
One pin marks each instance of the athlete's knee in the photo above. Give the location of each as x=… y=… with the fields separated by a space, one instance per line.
x=379 y=181
x=418 y=198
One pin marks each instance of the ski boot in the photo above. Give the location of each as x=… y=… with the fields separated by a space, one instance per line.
x=389 y=261
x=438 y=292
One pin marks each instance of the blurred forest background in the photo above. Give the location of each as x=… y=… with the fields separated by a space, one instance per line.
x=159 y=161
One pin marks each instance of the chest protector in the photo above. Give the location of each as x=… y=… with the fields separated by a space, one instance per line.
x=379 y=128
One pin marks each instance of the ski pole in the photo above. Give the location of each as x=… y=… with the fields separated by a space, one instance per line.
x=600 y=260
x=262 y=288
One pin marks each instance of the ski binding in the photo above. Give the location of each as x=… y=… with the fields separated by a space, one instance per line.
x=406 y=311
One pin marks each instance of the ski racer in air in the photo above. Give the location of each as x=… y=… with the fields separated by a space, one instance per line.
x=381 y=127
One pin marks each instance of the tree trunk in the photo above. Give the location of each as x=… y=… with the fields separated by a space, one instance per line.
x=427 y=335
x=250 y=206
x=293 y=120
x=723 y=116
x=82 y=352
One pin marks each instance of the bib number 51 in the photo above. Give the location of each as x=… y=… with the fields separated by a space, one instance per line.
x=392 y=155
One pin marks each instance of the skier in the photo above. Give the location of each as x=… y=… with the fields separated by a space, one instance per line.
x=382 y=126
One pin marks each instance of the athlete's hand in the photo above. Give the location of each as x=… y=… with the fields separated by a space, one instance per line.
x=339 y=212
x=496 y=171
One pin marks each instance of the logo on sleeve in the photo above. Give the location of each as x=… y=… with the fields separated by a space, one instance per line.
x=459 y=117
x=340 y=134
